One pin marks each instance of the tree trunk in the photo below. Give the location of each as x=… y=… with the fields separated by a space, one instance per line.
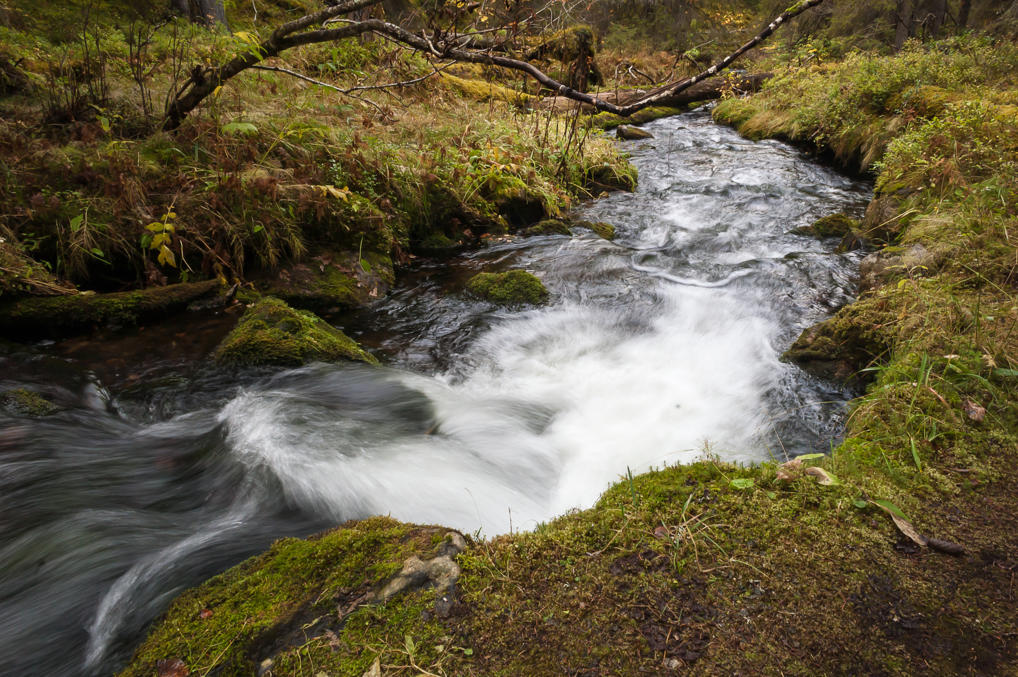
x=209 y=13
x=903 y=23
x=703 y=91
x=963 y=14
x=938 y=16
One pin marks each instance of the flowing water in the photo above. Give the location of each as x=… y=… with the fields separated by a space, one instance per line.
x=161 y=471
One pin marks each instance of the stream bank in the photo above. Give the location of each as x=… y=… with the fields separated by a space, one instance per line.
x=714 y=568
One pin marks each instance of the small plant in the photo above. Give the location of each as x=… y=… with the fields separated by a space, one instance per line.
x=159 y=237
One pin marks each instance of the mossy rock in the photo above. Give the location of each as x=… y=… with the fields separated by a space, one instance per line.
x=631 y=133
x=333 y=281
x=519 y=203
x=25 y=402
x=61 y=316
x=548 y=227
x=840 y=346
x=273 y=333
x=600 y=228
x=269 y=607
x=833 y=225
x=511 y=288
x=606 y=177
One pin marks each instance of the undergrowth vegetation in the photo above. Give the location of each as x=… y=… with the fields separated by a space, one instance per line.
x=274 y=170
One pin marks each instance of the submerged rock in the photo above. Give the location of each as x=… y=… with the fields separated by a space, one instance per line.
x=271 y=332
x=512 y=288
x=630 y=133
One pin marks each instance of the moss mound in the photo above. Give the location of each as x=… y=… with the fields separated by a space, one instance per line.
x=512 y=288
x=601 y=228
x=271 y=332
x=548 y=227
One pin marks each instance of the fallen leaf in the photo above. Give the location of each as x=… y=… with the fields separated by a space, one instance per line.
x=205 y=613
x=742 y=483
x=823 y=477
x=172 y=667
x=794 y=463
x=783 y=476
x=375 y=670
x=905 y=527
x=974 y=411
x=661 y=533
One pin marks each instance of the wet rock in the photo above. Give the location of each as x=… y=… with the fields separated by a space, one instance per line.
x=630 y=133
x=271 y=332
x=333 y=281
x=885 y=218
x=601 y=228
x=25 y=402
x=439 y=572
x=839 y=347
x=512 y=288
x=890 y=264
x=548 y=227
x=833 y=225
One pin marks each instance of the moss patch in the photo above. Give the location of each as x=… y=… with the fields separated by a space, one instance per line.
x=24 y=402
x=270 y=332
x=271 y=605
x=833 y=225
x=512 y=288
x=333 y=281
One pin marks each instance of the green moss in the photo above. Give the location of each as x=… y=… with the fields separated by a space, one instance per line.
x=602 y=229
x=270 y=604
x=333 y=281
x=60 y=316
x=24 y=402
x=512 y=288
x=270 y=332
x=483 y=90
x=833 y=225
x=611 y=121
x=548 y=227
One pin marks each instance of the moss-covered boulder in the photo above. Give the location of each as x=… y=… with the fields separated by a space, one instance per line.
x=548 y=227
x=61 y=316
x=266 y=613
x=273 y=333
x=333 y=281
x=511 y=288
x=840 y=346
x=600 y=228
x=833 y=225
x=25 y=402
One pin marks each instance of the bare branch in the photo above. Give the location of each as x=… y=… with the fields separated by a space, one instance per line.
x=204 y=81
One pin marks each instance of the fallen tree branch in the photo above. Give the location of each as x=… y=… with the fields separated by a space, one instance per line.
x=204 y=81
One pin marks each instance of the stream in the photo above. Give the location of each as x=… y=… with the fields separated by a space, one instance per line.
x=160 y=470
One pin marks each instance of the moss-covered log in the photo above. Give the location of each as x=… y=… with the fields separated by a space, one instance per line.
x=61 y=316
